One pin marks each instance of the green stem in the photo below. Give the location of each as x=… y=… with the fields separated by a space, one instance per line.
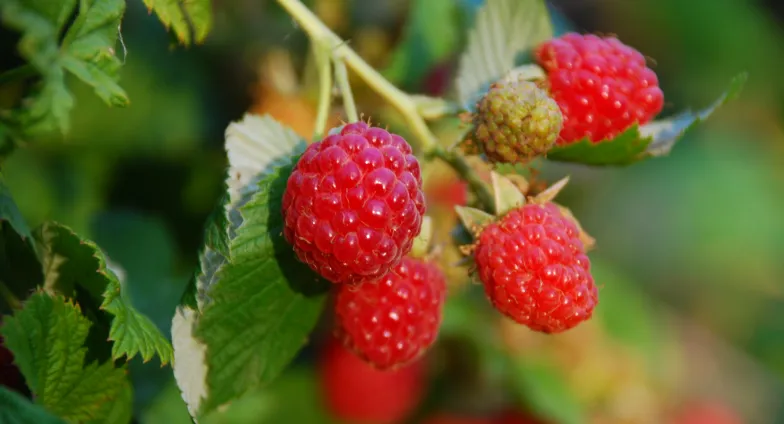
x=407 y=105
x=319 y=33
x=464 y=170
x=341 y=76
x=9 y=297
x=325 y=88
x=18 y=73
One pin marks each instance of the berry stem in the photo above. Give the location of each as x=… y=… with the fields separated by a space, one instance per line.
x=464 y=170
x=341 y=76
x=324 y=67
x=319 y=33
x=408 y=106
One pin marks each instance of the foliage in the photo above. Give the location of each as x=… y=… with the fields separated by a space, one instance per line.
x=76 y=323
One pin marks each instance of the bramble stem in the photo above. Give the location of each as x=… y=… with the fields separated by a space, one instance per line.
x=325 y=89
x=341 y=75
x=408 y=106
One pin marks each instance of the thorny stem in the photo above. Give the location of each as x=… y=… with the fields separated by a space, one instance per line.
x=325 y=89
x=324 y=38
x=341 y=75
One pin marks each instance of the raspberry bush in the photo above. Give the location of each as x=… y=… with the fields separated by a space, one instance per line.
x=331 y=239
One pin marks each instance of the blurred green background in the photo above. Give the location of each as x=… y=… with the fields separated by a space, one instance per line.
x=696 y=239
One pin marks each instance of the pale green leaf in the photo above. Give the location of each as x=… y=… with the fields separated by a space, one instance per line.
x=503 y=30
x=255 y=147
x=15 y=409
x=71 y=262
x=87 y=51
x=264 y=304
x=47 y=339
x=182 y=15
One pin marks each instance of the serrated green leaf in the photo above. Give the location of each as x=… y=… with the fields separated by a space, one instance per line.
x=503 y=30
x=16 y=409
x=545 y=392
x=20 y=270
x=624 y=149
x=637 y=143
x=72 y=264
x=256 y=147
x=263 y=305
x=47 y=339
x=87 y=51
x=182 y=16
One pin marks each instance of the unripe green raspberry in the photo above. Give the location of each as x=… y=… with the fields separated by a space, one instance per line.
x=516 y=121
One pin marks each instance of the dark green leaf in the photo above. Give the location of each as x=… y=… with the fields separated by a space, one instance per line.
x=191 y=20
x=87 y=51
x=637 y=143
x=256 y=148
x=73 y=264
x=15 y=409
x=263 y=305
x=47 y=339
x=545 y=392
x=20 y=270
x=503 y=30
x=624 y=149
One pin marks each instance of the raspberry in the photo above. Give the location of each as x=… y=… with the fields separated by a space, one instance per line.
x=516 y=121
x=707 y=413
x=356 y=392
x=534 y=268
x=395 y=320
x=354 y=204
x=602 y=86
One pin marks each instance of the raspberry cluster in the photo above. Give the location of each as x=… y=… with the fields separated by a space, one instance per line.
x=602 y=86
x=534 y=269
x=354 y=204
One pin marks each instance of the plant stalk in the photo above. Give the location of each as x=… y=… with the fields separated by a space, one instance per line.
x=323 y=38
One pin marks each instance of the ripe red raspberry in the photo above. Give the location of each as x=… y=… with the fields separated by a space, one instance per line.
x=534 y=268
x=602 y=86
x=356 y=392
x=395 y=320
x=354 y=204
